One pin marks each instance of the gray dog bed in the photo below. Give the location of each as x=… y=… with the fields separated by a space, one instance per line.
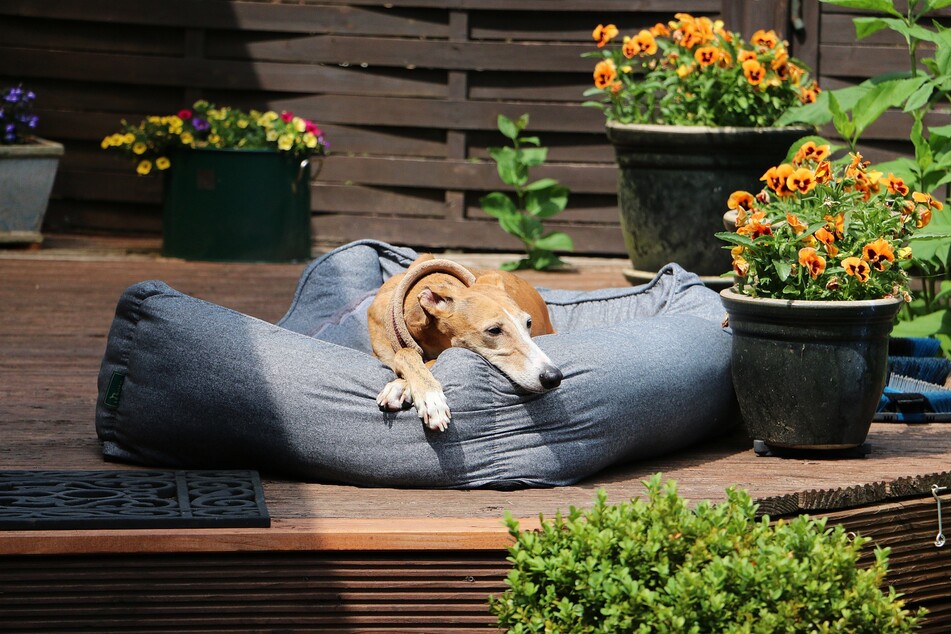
x=188 y=384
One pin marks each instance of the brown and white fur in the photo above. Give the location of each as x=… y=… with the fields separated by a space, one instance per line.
x=496 y=316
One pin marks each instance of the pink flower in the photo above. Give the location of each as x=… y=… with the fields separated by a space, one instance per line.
x=287 y=117
x=313 y=129
x=184 y=114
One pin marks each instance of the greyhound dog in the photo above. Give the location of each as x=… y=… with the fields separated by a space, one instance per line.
x=437 y=304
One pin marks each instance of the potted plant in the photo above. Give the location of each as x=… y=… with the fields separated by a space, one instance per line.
x=690 y=109
x=238 y=186
x=819 y=258
x=660 y=565
x=27 y=168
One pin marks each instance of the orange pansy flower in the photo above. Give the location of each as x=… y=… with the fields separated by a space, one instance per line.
x=740 y=200
x=756 y=227
x=814 y=263
x=926 y=199
x=604 y=73
x=766 y=39
x=827 y=238
x=754 y=72
x=836 y=225
x=795 y=223
x=745 y=55
x=646 y=43
x=776 y=179
x=660 y=30
x=896 y=185
x=603 y=34
x=802 y=180
x=878 y=254
x=924 y=217
x=823 y=172
x=809 y=151
x=859 y=269
x=807 y=94
x=707 y=55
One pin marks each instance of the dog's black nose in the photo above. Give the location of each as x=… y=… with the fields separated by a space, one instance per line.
x=550 y=378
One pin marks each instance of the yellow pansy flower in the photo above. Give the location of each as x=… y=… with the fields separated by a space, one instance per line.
x=139 y=148
x=286 y=142
x=144 y=167
x=162 y=163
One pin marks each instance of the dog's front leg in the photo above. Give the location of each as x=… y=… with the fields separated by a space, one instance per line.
x=423 y=388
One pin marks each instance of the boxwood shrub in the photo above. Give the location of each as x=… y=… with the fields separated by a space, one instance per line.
x=657 y=565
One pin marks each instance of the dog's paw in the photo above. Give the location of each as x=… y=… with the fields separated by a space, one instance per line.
x=395 y=396
x=433 y=410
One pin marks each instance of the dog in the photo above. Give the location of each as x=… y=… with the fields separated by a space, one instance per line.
x=437 y=304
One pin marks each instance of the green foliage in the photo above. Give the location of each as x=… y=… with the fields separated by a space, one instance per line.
x=916 y=92
x=656 y=565
x=533 y=202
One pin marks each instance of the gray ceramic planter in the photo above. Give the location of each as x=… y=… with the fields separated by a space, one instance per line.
x=674 y=182
x=26 y=179
x=809 y=375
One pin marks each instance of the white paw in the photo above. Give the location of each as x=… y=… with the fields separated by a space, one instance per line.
x=433 y=410
x=395 y=396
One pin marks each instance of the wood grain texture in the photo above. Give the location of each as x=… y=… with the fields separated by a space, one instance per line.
x=344 y=558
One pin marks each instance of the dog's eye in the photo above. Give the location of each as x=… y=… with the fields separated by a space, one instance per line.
x=495 y=331
x=528 y=323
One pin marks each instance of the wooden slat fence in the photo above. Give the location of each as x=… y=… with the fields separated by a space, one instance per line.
x=408 y=92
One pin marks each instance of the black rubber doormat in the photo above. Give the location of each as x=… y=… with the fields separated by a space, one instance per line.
x=64 y=500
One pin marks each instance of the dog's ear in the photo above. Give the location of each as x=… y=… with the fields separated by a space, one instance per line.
x=425 y=257
x=491 y=279
x=436 y=300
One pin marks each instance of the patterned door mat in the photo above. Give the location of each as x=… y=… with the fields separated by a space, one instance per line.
x=71 y=500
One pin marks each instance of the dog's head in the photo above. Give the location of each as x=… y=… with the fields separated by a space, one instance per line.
x=485 y=319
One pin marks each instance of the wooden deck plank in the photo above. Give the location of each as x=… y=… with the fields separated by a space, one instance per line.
x=56 y=305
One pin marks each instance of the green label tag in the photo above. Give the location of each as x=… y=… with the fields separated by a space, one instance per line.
x=114 y=391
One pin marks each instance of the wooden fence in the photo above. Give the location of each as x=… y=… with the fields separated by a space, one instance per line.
x=407 y=91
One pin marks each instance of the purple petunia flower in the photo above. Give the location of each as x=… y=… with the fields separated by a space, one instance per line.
x=200 y=124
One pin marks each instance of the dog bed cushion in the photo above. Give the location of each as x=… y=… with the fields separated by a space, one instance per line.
x=185 y=383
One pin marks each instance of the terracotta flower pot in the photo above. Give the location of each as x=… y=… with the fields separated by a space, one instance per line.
x=809 y=374
x=674 y=182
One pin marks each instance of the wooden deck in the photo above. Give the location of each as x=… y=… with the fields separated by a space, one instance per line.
x=56 y=305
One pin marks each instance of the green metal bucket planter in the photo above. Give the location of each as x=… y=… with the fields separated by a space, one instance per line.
x=237 y=206
x=673 y=186
x=809 y=374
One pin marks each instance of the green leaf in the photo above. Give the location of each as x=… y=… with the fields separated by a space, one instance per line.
x=522 y=122
x=541 y=183
x=924 y=325
x=880 y=98
x=555 y=241
x=882 y=6
x=547 y=202
x=783 y=269
x=533 y=156
x=511 y=170
x=868 y=26
x=531 y=140
x=843 y=125
x=508 y=127
x=512 y=224
x=497 y=205
x=735 y=238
